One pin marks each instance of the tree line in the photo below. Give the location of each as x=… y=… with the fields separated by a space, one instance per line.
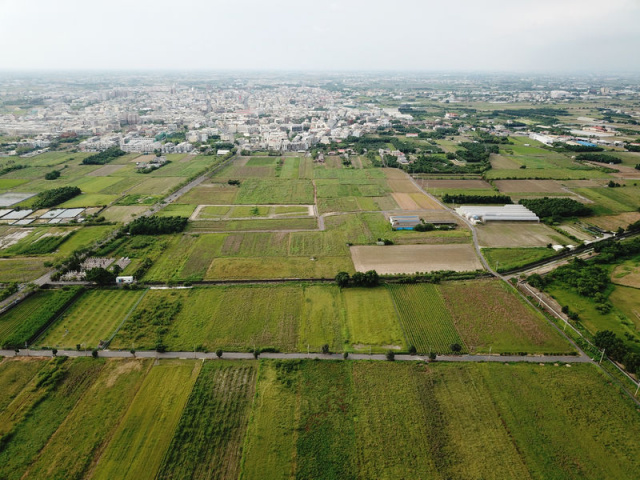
x=104 y=157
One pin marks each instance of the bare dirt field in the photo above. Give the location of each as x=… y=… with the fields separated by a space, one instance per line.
x=518 y=234
x=529 y=186
x=499 y=162
x=454 y=184
x=397 y=259
x=583 y=183
x=415 y=201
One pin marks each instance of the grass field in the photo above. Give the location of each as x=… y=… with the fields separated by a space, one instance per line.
x=81 y=437
x=372 y=320
x=612 y=200
x=270 y=446
x=488 y=315
x=505 y=259
x=88 y=418
x=235 y=318
x=91 y=320
x=208 y=440
x=21 y=323
x=62 y=388
x=256 y=191
x=138 y=447
x=286 y=267
x=22 y=269
x=425 y=320
x=15 y=374
x=323 y=319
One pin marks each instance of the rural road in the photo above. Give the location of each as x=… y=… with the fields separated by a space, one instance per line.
x=302 y=356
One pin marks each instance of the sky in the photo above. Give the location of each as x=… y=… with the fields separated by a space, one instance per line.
x=546 y=36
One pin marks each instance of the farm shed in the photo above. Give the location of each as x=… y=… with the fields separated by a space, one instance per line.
x=404 y=222
x=507 y=213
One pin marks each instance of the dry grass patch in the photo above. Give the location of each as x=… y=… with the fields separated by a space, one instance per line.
x=529 y=186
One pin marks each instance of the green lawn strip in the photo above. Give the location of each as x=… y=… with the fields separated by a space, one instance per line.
x=208 y=440
x=144 y=434
x=22 y=444
x=84 y=433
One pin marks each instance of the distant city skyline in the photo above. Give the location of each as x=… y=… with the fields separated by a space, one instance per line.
x=545 y=36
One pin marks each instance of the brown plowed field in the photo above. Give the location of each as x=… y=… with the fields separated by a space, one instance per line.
x=397 y=259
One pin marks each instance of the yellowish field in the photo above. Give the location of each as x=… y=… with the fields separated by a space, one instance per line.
x=529 y=186
x=399 y=259
x=612 y=222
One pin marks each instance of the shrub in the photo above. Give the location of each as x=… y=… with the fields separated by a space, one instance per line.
x=390 y=355
x=412 y=350
x=325 y=349
x=94 y=353
x=219 y=353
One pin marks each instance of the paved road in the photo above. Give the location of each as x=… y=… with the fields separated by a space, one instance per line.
x=303 y=356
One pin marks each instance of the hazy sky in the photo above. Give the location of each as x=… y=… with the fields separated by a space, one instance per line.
x=443 y=35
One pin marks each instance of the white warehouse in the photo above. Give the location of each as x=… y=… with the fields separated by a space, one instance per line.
x=507 y=213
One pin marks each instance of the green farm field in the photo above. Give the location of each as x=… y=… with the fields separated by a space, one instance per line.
x=92 y=319
x=505 y=259
x=126 y=418
x=138 y=446
x=21 y=323
x=23 y=269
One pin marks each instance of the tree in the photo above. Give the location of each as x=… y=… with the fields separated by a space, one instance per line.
x=219 y=353
x=161 y=347
x=94 y=353
x=54 y=351
x=412 y=350
x=613 y=346
x=455 y=347
x=132 y=352
x=345 y=355
x=390 y=355
x=342 y=279
x=256 y=353
x=325 y=349
x=101 y=276
x=432 y=356
x=16 y=351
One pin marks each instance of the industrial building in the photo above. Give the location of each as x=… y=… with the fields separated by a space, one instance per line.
x=404 y=222
x=507 y=213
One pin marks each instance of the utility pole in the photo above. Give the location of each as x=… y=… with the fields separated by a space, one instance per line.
x=601 y=356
